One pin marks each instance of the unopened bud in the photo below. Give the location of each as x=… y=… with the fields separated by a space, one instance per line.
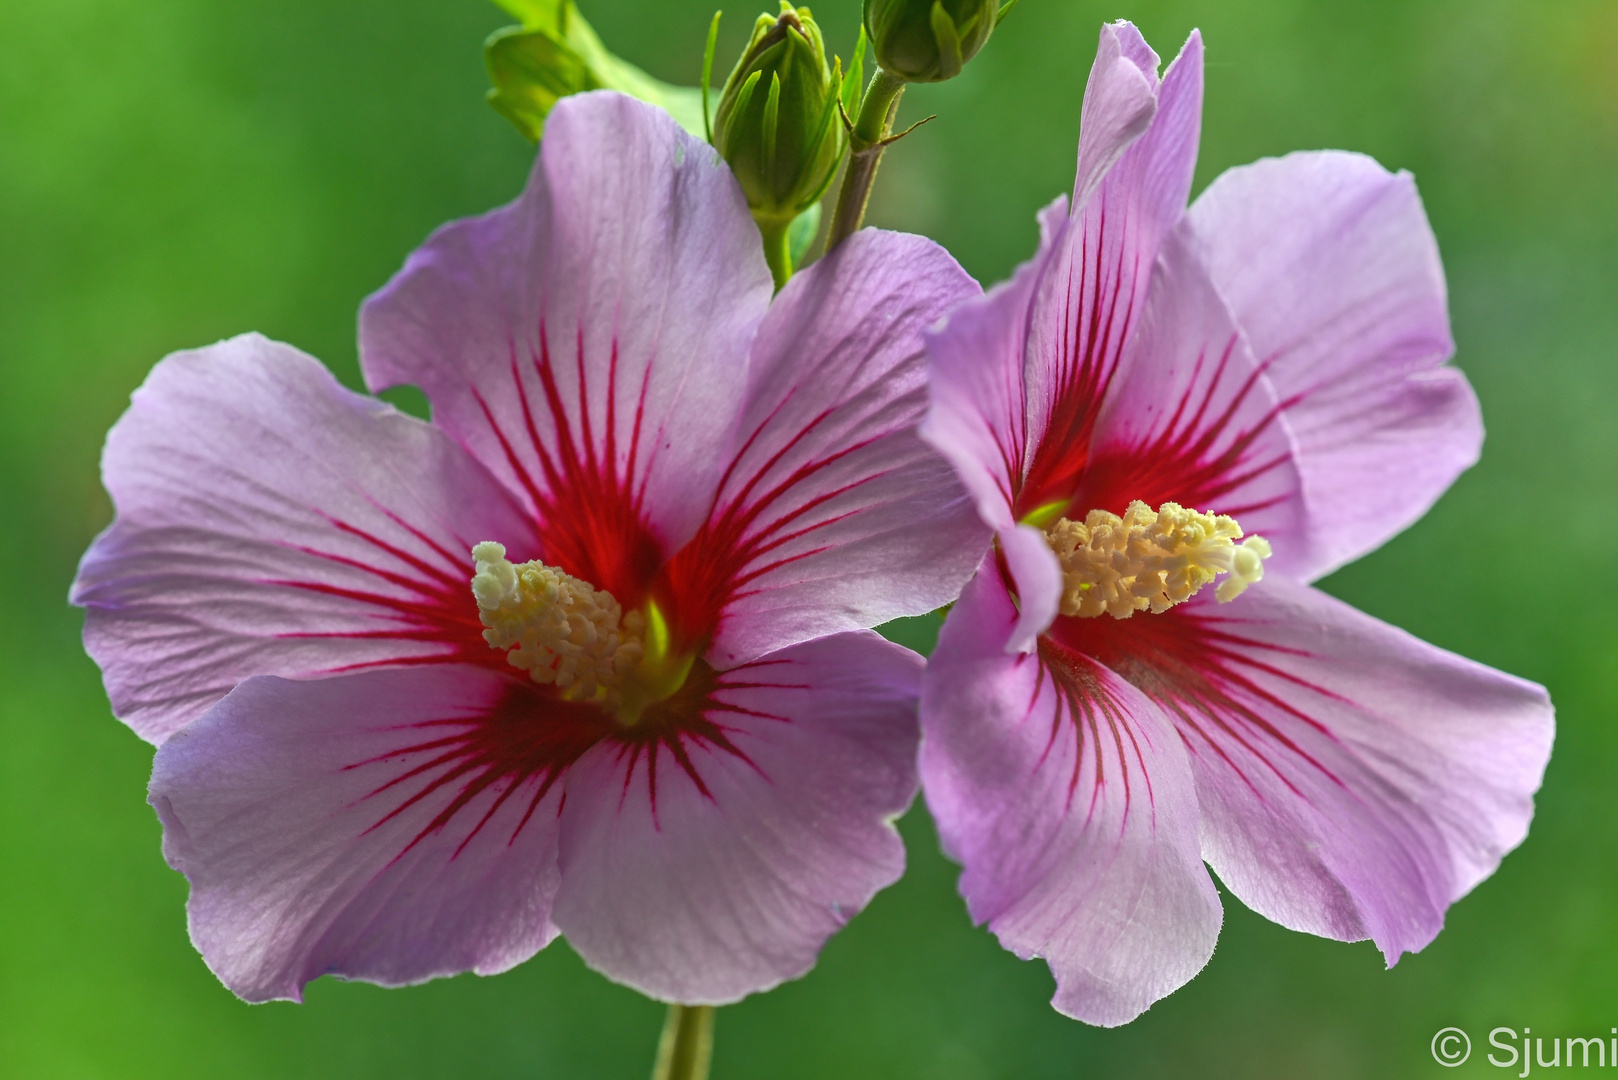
x=928 y=40
x=777 y=120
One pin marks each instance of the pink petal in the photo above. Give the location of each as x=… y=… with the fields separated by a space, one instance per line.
x=1120 y=100
x=1354 y=781
x=711 y=868
x=1192 y=419
x=1329 y=263
x=272 y=522
x=832 y=514
x=589 y=342
x=976 y=415
x=1066 y=795
x=390 y=826
x=1037 y=578
x=1019 y=377
x=1095 y=288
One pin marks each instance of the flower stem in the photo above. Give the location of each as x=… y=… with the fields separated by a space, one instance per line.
x=778 y=249
x=865 y=146
x=687 y=1044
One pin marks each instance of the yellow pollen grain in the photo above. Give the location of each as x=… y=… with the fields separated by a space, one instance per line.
x=1151 y=559
x=558 y=628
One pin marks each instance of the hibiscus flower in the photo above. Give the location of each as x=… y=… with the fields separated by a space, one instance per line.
x=588 y=654
x=1248 y=392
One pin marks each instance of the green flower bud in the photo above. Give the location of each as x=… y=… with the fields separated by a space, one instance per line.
x=928 y=40
x=777 y=120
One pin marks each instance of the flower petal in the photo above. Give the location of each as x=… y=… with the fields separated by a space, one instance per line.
x=1120 y=99
x=1095 y=288
x=1354 y=781
x=832 y=514
x=1192 y=419
x=272 y=522
x=1036 y=575
x=1332 y=270
x=977 y=408
x=1066 y=795
x=589 y=342
x=722 y=873
x=352 y=826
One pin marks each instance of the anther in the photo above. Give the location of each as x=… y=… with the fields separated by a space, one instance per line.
x=558 y=628
x=1151 y=560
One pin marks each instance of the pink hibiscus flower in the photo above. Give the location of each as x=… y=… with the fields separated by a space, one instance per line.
x=1162 y=399
x=389 y=751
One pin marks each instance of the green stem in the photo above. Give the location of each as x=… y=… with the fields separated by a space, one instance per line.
x=865 y=146
x=778 y=249
x=687 y=1044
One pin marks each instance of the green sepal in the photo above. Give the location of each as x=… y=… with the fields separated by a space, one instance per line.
x=772 y=124
x=805 y=227
x=929 y=40
x=707 y=75
x=854 y=80
x=949 y=42
x=776 y=122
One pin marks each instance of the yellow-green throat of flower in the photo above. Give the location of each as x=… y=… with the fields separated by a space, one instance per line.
x=566 y=633
x=1151 y=559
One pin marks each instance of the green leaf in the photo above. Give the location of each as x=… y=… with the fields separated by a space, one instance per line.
x=556 y=53
x=612 y=73
x=531 y=71
x=537 y=14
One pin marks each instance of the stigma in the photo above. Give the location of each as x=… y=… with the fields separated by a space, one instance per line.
x=1151 y=560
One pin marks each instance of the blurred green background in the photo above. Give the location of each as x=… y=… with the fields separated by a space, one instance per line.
x=175 y=171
